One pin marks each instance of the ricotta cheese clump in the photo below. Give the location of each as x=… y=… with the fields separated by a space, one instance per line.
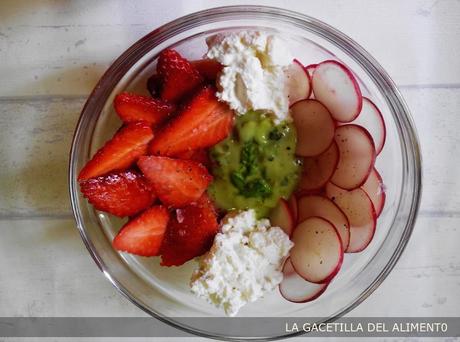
x=253 y=76
x=243 y=264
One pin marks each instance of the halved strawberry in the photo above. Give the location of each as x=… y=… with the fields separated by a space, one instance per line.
x=202 y=123
x=190 y=233
x=154 y=85
x=180 y=78
x=143 y=235
x=208 y=68
x=126 y=146
x=132 y=108
x=200 y=155
x=124 y=193
x=176 y=182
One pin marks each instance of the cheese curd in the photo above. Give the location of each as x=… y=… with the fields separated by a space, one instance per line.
x=253 y=76
x=243 y=264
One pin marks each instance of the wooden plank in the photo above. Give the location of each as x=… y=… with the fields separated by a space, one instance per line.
x=36 y=136
x=50 y=273
x=34 y=151
x=427 y=277
x=48 y=265
x=435 y=113
x=426 y=50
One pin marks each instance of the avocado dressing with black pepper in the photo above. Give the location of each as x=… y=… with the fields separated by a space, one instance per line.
x=256 y=165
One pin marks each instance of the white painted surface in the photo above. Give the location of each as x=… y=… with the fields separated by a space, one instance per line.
x=53 y=52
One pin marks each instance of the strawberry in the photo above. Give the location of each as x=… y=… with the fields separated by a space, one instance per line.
x=125 y=147
x=200 y=156
x=190 y=233
x=208 y=68
x=176 y=182
x=180 y=78
x=124 y=193
x=203 y=122
x=132 y=108
x=154 y=85
x=143 y=235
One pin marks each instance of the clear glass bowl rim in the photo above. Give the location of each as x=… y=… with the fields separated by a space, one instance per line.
x=115 y=72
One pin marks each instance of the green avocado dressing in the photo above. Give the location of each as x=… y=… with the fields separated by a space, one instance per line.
x=256 y=165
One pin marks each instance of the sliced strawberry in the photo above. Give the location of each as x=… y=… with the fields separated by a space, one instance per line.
x=143 y=235
x=202 y=123
x=190 y=233
x=180 y=78
x=124 y=193
x=154 y=85
x=126 y=146
x=176 y=182
x=208 y=68
x=200 y=156
x=132 y=108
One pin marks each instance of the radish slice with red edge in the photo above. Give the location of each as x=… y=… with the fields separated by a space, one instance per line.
x=281 y=216
x=317 y=253
x=375 y=189
x=320 y=206
x=360 y=212
x=335 y=86
x=317 y=171
x=293 y=206
x=310 y=68
x=371 y=119
x=296 y=289
x=357 y=156
x=315 y=127
x=298 y=82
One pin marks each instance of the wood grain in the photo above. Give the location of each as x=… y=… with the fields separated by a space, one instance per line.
x=411 y=39
x=37 y=132
x=52 y=52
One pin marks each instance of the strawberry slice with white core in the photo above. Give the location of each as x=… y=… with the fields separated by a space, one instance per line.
x=360 y=212
x=357 y=156
x=298 y=82
x=296 y=289
x=335 y=86
x=320 y=206
x=317 y=171
x=315 y=127
x=281 y=216
x=372 y=120
x=375 y=188
x=317 y=253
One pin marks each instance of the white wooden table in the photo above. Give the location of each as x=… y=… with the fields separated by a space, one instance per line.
x=53 y=52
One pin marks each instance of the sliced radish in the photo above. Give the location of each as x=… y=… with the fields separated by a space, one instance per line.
x=293 y=206
x=296 y=289
x=357 y=156
x=317 y=253
x=298 y=82
x=310 y=68
x=336 y=87
x=282 y=217
x=315 y=127
x=320 y=206
x=360 y=212
x=371 y=119
x=374 y=187
x=317 y=171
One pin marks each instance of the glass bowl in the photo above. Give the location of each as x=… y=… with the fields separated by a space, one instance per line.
x=163 y=292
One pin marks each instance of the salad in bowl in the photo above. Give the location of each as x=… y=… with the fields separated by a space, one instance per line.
x=250 y=167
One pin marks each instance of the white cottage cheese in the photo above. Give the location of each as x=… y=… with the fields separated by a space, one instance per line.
x=253 y=76
x=243 y=264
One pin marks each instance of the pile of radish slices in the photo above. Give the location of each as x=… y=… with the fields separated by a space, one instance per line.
x=340 y=194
